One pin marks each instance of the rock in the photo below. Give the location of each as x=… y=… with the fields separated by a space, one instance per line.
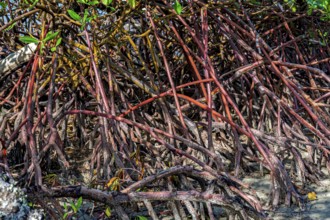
x=13 y=203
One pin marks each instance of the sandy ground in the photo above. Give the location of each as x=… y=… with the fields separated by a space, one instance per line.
x=317 y=210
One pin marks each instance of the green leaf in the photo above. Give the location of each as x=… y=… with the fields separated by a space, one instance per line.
x=50 y=35
x=3 y=5
x=42 y=46
x=93 y=3
x=10 y=26
x=106 y=2
x=74 y=15
x=89 y=19
x=108 y=212
x=85 y=15
x=28 y=39
x=65 y=206
x=65 y=215
x=309 y=11
x=83 y=1
x=177 y=7
x=79 y=202
x=86 y=2
x=58 y=42
x=34 y=2
x=132 y=3
x=139 y=217
x=74 y=207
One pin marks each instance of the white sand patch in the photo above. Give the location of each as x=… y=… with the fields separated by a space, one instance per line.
x=315 y=210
